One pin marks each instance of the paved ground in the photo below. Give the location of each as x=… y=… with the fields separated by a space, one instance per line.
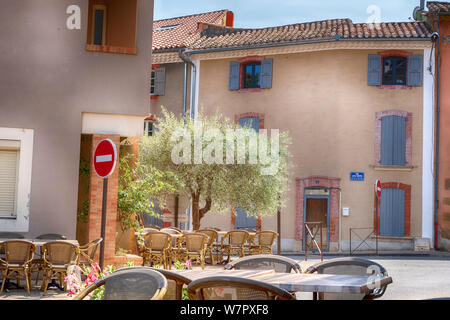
x=414 y=278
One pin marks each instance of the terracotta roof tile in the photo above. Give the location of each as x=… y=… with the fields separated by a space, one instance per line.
x=345 y=29
x=436 y=6
x=180 y=32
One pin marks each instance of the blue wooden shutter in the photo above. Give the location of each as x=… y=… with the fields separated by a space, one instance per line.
x=393 y=141
x=374 y=70
x=392 y=212
x=242 y=220
x=415 y=70
x=235 y=72
x=160 y=81
x=266 y=73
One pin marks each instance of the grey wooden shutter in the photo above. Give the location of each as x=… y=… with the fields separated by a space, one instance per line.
x=393 y=141
x=235 y=72
x=392 y=212
x=266 y=73
x=250 y=122
x=160 y=81
x=243 y=221
x=415 y=70
x=374 y=70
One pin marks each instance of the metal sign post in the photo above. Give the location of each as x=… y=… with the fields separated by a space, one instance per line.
x=105 y=156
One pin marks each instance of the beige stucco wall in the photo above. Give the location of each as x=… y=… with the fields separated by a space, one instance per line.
x=172 y=99
x=322 y=99
x=48 y=80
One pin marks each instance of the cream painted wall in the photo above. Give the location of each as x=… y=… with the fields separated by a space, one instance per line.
x=322 y=99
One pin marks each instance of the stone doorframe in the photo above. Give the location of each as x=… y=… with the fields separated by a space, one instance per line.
x=317 y=181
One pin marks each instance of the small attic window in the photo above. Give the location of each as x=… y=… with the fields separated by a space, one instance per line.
x=163 y=28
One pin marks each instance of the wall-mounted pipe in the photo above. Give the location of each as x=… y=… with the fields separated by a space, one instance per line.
x=436 y=186
x=187 y=60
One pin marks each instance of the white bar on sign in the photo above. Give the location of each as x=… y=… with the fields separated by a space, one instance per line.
x=105 y=158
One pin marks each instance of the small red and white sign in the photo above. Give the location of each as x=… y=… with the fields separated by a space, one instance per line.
x=378 y=188
x=105 y=156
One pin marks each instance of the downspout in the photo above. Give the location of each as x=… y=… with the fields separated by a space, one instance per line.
x=187 y=60
x=438 y=89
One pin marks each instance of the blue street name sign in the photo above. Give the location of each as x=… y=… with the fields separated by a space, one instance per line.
x=356 y=176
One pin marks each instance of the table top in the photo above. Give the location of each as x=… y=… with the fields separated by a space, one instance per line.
x=298 y=282
x=41 y=242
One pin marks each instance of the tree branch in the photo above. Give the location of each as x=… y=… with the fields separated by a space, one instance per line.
x=206 y=208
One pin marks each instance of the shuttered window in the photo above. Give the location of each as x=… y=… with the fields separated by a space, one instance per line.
x=9 y=159
x=393 y=141
x=395 y=70
x=392 y=212
x=242 y=220
x=254 y=75
x=158 y=82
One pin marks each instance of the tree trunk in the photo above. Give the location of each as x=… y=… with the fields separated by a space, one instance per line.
x=195 y=212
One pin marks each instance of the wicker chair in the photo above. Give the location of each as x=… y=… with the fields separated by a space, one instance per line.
x=349 y=266
x=234 y=242
x=171 y=230
x=17 y=262
x=38 y=263
x=87 y=252
x=265 y=262
x=175 y=282
x=193 y=248
x=130 y=284
x=262 y=242
x=213 y=247
x=157 y=248
x=58 y=256
x=9 y=235
x=234 y=288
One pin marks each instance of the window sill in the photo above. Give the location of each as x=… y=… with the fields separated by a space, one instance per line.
x=395 y=87
x=8 y=218
x=154 y=97
x=243 y=90
x=111 y=49
x=393 y=168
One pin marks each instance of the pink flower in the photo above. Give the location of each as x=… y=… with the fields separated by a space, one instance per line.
x=188 y=264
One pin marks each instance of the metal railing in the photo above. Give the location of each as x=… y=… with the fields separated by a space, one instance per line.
x=363 y=241
x=310 y=231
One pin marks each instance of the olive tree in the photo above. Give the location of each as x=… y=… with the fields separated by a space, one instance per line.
x=219 y=165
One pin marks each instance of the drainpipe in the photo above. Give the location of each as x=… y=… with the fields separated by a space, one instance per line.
x=187 y=60
x=438 y=89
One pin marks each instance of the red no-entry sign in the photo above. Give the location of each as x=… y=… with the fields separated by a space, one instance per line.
x=105 y=157
x=378 y=188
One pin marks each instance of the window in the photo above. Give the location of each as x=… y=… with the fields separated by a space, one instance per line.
x=395 y=68
x=9 y=168
x=158 y=82
x=393 y=141
x=112 y=26
x=394 y=71
x=16 y=155
x=148 y=128
x=252 y=75
x=164 y=28
x=99 y=25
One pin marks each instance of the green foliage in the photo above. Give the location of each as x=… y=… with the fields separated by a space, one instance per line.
x=138 y=185
x=218 y=185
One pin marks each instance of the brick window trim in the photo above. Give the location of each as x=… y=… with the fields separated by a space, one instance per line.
x=243 y=62
x=237 y=117
x=407 y=214
x=394 y=53
x=317 y=181
x=404 y=114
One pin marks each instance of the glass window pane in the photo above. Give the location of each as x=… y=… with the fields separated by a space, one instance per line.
x=388 y=71
x=257 y=75
x=248 y=76
x=400 y=71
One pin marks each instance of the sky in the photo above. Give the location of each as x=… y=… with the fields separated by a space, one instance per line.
x=265 y=13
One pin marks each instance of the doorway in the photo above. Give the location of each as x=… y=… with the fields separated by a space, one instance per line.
x=317 y=209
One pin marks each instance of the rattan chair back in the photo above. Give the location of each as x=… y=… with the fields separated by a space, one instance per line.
x=130 y=284
x=234 y=288
x=211 y=233
x=195 y=242
x=18 y=251
x=87 y=252
x=265 y=262
x=171 y=231
x=60 y=252
x=158 y=241
x=265 y=238
x=237 y=237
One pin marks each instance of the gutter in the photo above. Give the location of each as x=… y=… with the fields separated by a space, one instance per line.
x=438 y=89
x=187 y=61
x=293 y=43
